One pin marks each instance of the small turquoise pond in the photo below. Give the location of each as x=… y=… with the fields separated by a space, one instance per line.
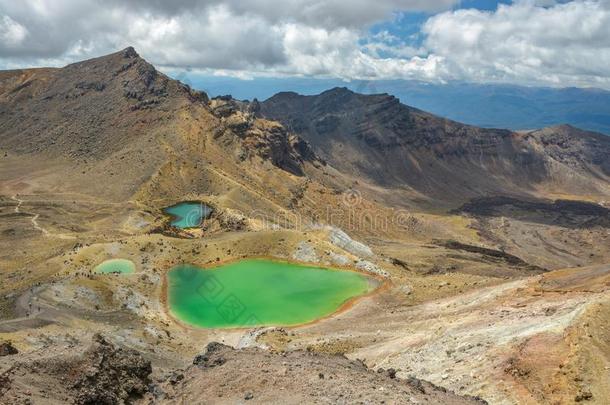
x=188 y=214
x=116 y=266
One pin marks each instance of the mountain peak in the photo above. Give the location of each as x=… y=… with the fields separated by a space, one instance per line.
x=339 y=90
x=286 y=94
x=130 y=52
x=111 y=62
x=89 y=94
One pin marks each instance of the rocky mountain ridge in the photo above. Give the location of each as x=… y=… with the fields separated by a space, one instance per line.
x=394 y=145
x=99 y=107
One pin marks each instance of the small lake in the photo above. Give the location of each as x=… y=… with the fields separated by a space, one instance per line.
x=188 y=214
x=120 y=266
x=257 y=292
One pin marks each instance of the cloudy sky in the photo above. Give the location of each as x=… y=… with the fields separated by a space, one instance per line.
x=530 y=42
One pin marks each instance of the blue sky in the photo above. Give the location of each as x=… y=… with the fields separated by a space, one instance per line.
x=407 y=25
x=481 y=4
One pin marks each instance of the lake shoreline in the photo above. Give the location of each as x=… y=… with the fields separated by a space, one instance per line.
x=376 y=285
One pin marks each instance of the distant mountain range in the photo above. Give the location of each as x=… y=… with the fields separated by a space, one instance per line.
x=490 y=106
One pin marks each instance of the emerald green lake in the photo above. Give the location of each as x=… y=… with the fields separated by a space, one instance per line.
x=121 y=266
x=188 y=214
x=258 y=292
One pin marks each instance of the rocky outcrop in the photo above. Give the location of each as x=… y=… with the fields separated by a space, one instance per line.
x=102 y=374
x=237 y=375
x=7 y=349
x=111 y=375
x=263 y=138
x=341 y=239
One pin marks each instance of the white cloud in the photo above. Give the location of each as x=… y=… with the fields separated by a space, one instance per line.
x=212 y=38
x=329 y=14
x=337 y=53
x=528 y=42
x=560 y=44
x=12 y=33
x=298 y=37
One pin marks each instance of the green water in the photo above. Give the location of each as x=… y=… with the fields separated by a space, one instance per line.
x=259 y=292
x=121 y=266
x=188 y=214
